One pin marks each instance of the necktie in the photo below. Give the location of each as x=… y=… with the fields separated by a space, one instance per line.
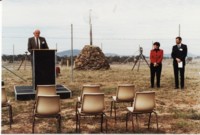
x=37 y=43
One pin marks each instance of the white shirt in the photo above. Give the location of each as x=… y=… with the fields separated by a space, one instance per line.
x=179 y=45
x=38 y=42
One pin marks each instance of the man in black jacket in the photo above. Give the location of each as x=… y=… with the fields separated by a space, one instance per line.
x=36 y=42
x=179 y=53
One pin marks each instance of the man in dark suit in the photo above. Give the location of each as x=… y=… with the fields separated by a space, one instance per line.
x=179 y=53
x=36 y=42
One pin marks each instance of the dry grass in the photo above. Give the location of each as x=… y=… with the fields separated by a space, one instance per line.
x=179 y=111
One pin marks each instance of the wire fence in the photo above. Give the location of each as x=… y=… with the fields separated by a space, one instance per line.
x=123 y=42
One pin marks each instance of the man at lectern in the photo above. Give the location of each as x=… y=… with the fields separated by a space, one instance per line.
x=36 y=42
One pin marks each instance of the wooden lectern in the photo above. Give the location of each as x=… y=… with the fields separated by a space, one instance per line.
x=43 y=71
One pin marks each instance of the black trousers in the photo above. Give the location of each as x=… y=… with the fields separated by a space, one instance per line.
x=155 y=71
x=176 y=75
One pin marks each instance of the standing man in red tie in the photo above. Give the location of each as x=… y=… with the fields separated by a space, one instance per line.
x=36 y=42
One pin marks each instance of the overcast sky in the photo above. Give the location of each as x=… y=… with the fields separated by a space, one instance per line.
x=119 y=25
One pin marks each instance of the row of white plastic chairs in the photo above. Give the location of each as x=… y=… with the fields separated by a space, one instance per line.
x=90 y=102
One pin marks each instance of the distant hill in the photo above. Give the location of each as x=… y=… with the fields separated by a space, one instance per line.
x=111 y=54
x=68 y=53
x=76 y=52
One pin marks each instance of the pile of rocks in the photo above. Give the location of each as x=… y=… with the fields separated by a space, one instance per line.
x=91 y=58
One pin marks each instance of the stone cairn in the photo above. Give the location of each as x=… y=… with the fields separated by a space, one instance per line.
x=91 y=58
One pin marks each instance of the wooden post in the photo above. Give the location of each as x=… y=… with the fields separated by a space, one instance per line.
x=25 y=60
x=13 y=54
x=56 y=54
x=67 y=62
x=90 y=23
x=72 y=53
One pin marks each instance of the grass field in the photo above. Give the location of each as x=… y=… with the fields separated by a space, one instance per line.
x=178 y=111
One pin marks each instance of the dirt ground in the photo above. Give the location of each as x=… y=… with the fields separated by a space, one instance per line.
x=178 y=110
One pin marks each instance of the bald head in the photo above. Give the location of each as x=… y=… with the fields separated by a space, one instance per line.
x=36 y=33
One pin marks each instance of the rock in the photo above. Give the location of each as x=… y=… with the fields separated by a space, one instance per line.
x=91 y=58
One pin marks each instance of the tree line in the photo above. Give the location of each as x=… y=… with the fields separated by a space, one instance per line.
x=111 y=59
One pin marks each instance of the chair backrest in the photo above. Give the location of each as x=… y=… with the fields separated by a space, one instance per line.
x=125 y=92
x=4 y=96
x=92 y=88
x=45 y=90
x=48 y=104
x=144 y=101
x=93 y=103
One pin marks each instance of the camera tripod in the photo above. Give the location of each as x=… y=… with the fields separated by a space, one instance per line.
x=139 y=58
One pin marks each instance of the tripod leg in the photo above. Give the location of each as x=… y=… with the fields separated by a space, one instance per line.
x=135 y=64
x=145 y=60
x=139 y=62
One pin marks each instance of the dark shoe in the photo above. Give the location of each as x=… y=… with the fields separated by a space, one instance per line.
x=176 y=88
x=182 y=88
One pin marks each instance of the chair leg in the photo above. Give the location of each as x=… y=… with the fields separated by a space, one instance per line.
x=76 y=122
x=10 y=114
x=33 y=124
x=132 y=123
x=111 y=108
x=101 y=122
x=79 y=122
x=115 y=109
x=137 y=120
x=156 y=119
x=127 y=116
x=149 y=120
x=59 y=124
x=106 y=122
x=57 y=118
